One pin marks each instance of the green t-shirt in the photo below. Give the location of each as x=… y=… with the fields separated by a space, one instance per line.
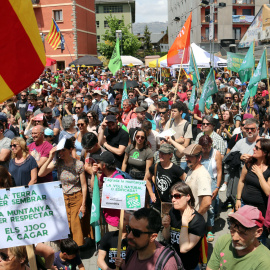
x=224 y=257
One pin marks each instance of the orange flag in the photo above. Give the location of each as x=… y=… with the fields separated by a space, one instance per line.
x=181 y=42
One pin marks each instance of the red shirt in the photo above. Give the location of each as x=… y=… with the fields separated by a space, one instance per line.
x=182 y=96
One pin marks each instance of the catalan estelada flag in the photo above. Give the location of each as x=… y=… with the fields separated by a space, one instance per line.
x=54 y=36
x=21 y=49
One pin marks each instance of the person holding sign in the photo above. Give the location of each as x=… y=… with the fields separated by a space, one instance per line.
x=70 y=172
x=184 y=226
x=14 y=258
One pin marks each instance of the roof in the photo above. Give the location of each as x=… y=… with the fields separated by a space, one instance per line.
x=156 y=37
x=114 y=1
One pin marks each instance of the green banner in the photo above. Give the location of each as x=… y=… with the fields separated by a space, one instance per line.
x=234 y=61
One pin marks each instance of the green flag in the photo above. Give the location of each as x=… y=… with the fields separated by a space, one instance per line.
x=125 y=95
x=245 y=100
x=115 y=62
x=209 y=88
x=95 y=210
x=234 y=61
x=260 y=73
x=247 y=65
x=209 y=102
x=192 y=100
x=253 y=90
x=192 y=68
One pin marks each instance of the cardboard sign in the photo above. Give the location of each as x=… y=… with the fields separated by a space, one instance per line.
x=34 y=214
x=123 y=194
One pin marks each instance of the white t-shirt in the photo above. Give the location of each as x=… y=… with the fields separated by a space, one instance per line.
x=199 y=181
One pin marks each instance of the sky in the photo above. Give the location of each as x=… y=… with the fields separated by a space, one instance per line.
x=151 y=11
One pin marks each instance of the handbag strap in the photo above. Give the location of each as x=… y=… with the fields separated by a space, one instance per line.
x=155 y=176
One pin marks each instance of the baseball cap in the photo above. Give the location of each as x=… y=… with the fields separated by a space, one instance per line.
x=154 y=95
x=193 y=150
x=3 y=118
x=48 y=132
x=106 y=157
x=47 y=110
x=113 y=110
x=166 y=148
x=249 y=216
x=111 y=118
x=38 y=117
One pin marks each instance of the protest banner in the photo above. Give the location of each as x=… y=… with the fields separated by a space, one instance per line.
x=124 y=194
x=32 y=214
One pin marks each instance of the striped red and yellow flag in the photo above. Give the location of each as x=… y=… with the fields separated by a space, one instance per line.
x=21 y=51
x=54 y=36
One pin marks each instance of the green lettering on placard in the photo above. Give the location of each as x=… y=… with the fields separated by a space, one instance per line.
x=133 y=201
x=9 y=238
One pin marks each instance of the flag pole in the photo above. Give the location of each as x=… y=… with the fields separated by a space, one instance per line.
x=251 y=99
x=180 y=69
x=267 y=79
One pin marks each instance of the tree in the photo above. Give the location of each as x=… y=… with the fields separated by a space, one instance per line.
x=129 y=44
x=147 y=41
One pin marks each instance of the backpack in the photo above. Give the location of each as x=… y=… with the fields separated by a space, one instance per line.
x=163 y=258
x=124 y=174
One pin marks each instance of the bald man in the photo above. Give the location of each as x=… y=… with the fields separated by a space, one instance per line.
x=40 y=150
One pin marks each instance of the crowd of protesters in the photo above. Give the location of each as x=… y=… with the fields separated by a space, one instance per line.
x=110 y=133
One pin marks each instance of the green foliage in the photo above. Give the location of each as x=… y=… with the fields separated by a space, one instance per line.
x=129 y=44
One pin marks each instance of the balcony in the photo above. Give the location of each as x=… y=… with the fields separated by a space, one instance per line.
x=243 y=2
x=242 y=19
x=36 y=3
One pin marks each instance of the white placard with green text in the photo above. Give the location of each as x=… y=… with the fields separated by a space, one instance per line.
x=123 y=194
x=34 y=214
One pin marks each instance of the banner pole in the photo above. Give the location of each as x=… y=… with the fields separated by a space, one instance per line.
x=267 y=79
x=251 y=99
x=120 y=235
x=196 y=71
x=31 y=257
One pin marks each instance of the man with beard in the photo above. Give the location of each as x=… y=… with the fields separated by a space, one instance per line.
x=228 y=102
x=113 y=138
x=142 y=232
x=241 y=250
x=199 y=179
x=53 y=123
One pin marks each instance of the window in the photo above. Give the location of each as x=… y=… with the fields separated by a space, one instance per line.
x=97 y=9
x=106 y=24
x=58 y=15
x=234 y=12
x=113 y=9
x=247 y=12
x=98 y=39
x=207 y=15
x=60 y=65
x=237 y=33
x=97 y=24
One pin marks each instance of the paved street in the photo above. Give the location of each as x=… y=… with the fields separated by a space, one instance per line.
x=90 y=258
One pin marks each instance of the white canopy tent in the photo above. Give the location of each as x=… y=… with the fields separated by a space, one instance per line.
x=128 y=60
x=202 y=59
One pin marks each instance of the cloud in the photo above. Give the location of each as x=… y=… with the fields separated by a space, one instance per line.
x=151 y=11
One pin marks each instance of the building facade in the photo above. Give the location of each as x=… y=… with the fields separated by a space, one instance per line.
x=76 y=21
x=230 y=22
x=121 y=9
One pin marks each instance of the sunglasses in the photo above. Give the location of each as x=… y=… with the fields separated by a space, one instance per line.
x=237 y=227
x=177 y=196
x=47 y=136
x=136 y=233
x=23 y=95
x=257 y=147
x=78 y=108
x=206 y=124
x=4 y=256
x=80 y=125
x=228 y=98
x=252 y=129
x=13 y=145
x=140 y=137
x=50 y=101
x=162 y=113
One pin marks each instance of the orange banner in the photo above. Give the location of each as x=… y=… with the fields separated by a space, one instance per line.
x=180 y=47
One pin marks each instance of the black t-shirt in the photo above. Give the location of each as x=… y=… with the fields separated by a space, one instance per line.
x=197 y=227
x=120 y=137
x=234 y=139
x=109 y=243
x=22 y=106
x=252 y=193
x=165 y=179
